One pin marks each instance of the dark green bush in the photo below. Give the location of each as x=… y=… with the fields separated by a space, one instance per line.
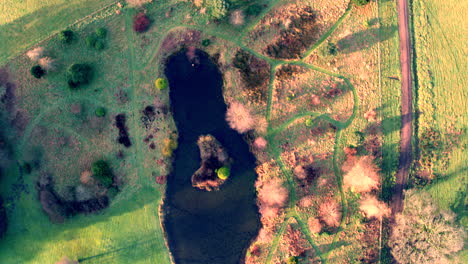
x=27 y=168
x=206 y=42
x=101 y=32
x=332 y=49
x=361 y=2
x=66 y=36
x=102 y=172
x=79 y=74
x=37 y=71
x=99 y=45
x=100 y=112
x=253 y=10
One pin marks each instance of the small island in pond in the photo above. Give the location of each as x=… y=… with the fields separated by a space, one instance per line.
x=214 y=167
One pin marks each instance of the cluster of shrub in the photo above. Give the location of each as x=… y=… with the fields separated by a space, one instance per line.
x=96 y=40
x=255 y=73
x=58 y=209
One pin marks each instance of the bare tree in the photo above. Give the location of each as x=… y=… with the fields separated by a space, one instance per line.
x=330 y=213
x=374 y=208
x=363 y=175
x=423 y=233
x=239 y=117
x=35 y=54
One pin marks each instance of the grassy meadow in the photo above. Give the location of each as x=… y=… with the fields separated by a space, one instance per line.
x=24 y=23
x=59 y=125
x=441 y=94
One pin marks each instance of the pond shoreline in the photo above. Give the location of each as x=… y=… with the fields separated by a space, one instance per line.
x=201 y=226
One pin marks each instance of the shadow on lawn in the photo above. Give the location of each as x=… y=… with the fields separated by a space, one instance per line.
x=364 y=39
x=41 y=232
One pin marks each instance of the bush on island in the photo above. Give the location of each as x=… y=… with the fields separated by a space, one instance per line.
x=37 y=71
x=161 y=83
x=223 y=172
x=102 y=172
x=79 y=74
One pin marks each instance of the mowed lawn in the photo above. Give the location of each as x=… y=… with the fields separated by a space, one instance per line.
x=440 y=45
x=129 y=231
x=25 y=22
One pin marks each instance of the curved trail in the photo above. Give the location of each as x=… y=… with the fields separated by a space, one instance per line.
x=406 y=107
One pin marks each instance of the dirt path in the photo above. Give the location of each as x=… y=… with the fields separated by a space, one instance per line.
x=406 y=106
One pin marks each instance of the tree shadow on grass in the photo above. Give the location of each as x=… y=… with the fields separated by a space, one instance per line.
x=31 y=226
x=365 y=39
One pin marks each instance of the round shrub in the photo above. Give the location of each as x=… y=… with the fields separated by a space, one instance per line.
x=100 y=112
x=361 y=2
x=66 y=36
x=223 y=172
x=206 y=42
x=37 y=71
x=91 y=41
x=79 y=74
x=161 y=83
x=308 y=122
x=141 y=22
x=99 y=45
x=102 y=172
x=101 y=32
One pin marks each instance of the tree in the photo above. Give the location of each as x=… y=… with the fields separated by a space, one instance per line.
x=223 y=172
x=423 y=233
x=330 y=213
x=374 y=208
x=217 y=9
x=91 y=41
x=37 y=71
x=102 y=172
x=100 y=112
x=161 y=83
x=79 y=74
x=66 y=36
x=141 y=22
x=101 y=32
x=361 y=2
x=363 y=175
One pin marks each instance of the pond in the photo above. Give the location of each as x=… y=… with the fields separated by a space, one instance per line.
x=206 y=227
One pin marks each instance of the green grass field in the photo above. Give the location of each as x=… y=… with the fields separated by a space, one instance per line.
x=442 y=91
x=24 y=23
x=130 y=231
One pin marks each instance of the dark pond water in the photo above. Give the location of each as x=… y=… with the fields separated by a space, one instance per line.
x=206 y=227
